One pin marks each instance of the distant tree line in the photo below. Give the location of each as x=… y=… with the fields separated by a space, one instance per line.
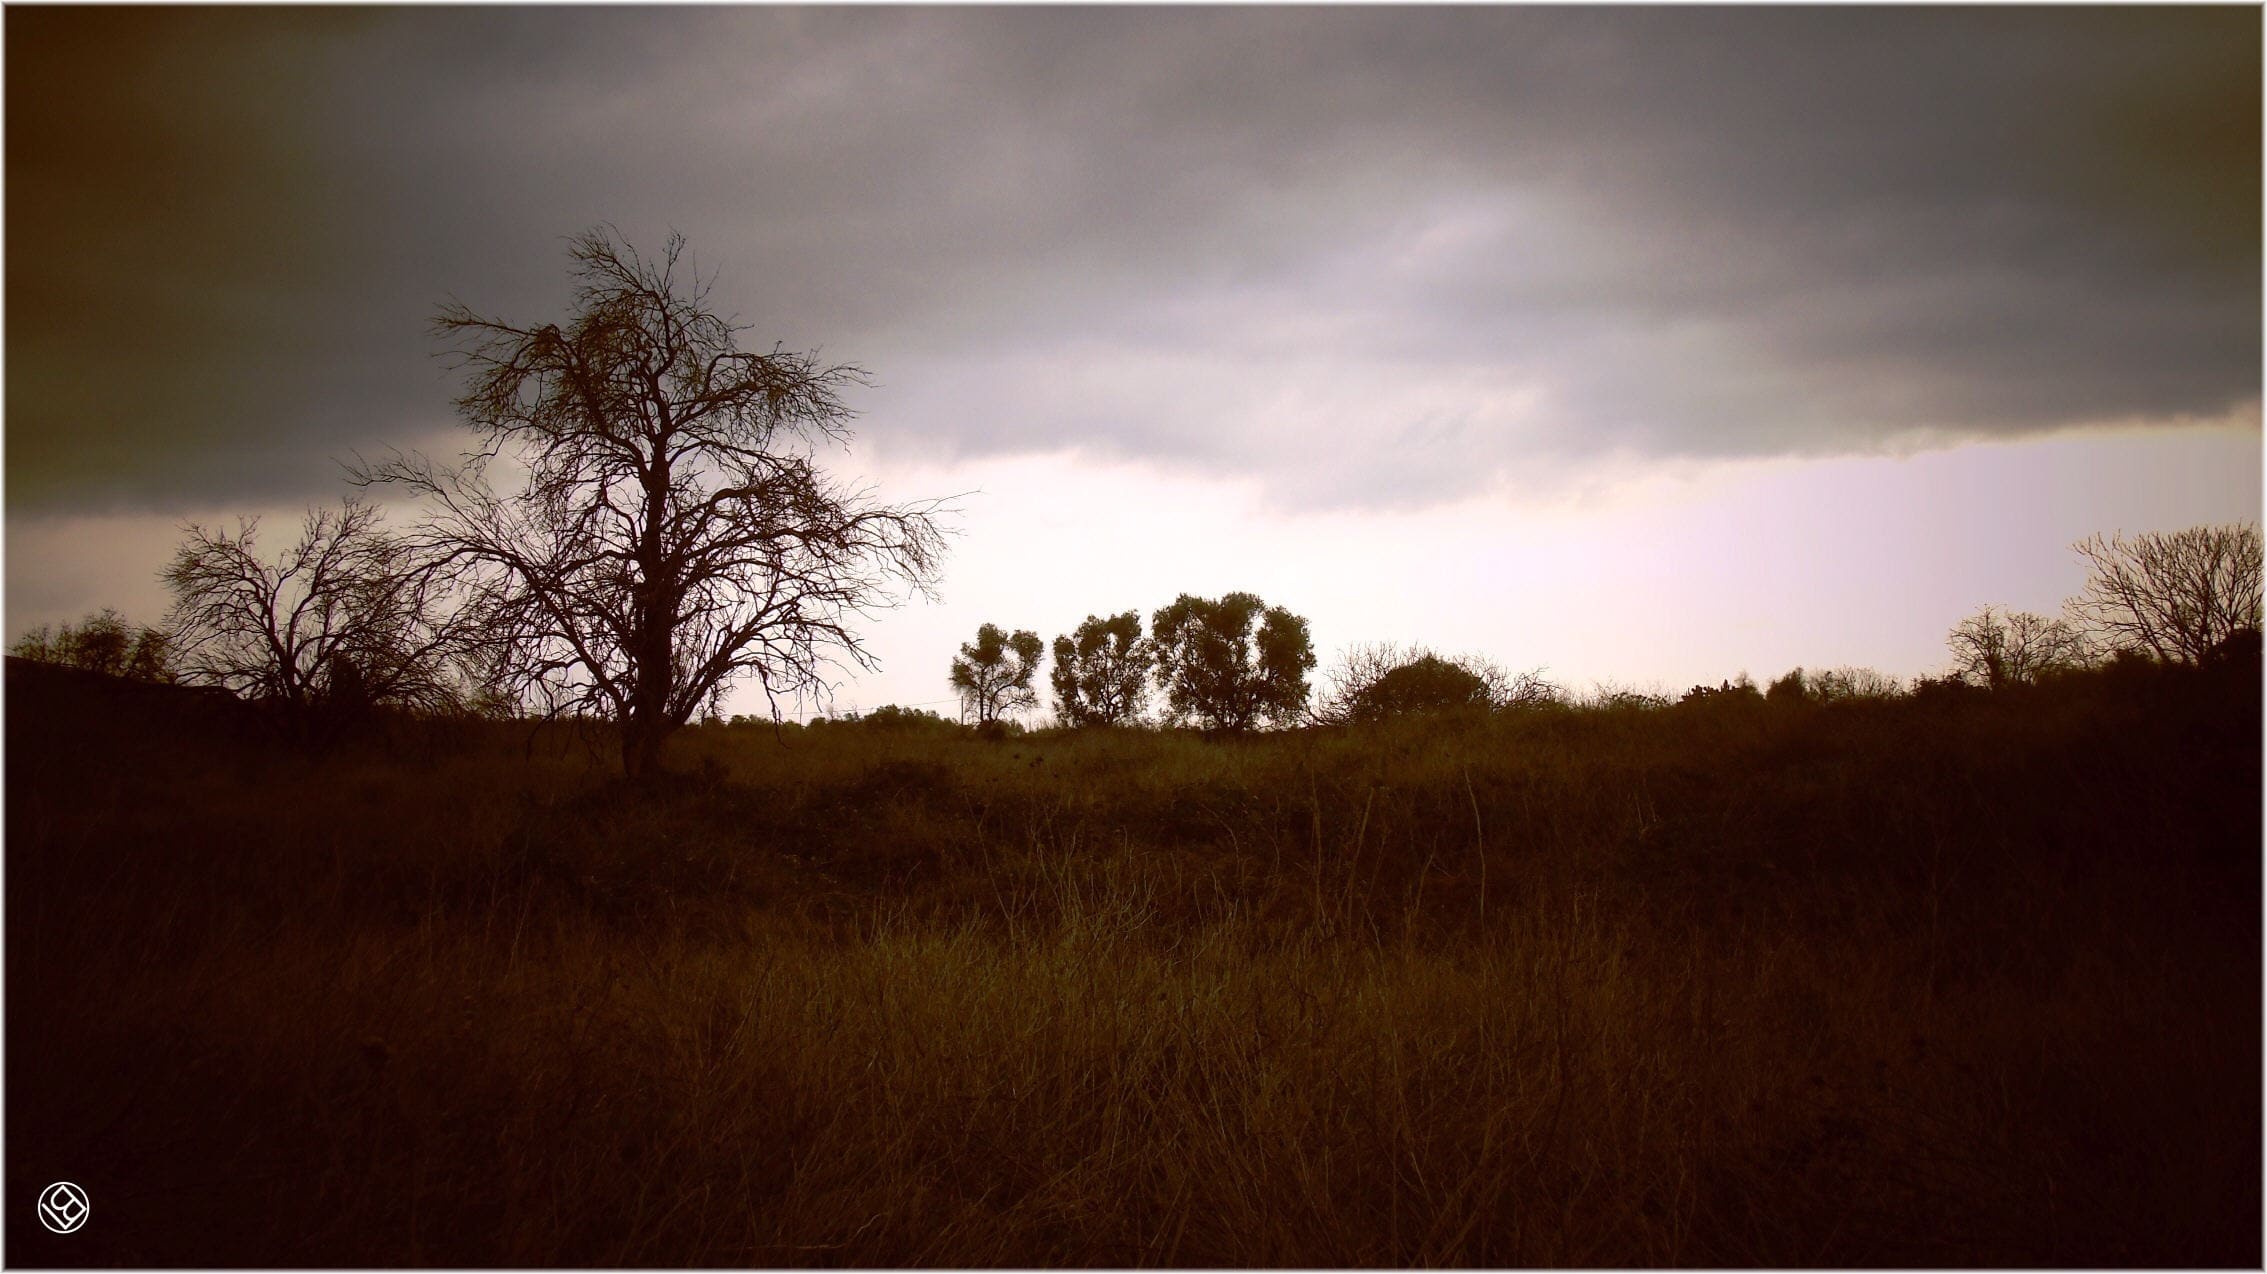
x=1233 y=664
x=1226 y=664
x=350 y=616
x=2184 y=597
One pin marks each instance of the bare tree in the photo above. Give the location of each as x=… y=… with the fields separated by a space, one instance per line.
x=1357 y=669
x=1836 y=685
x=672 y=533
x=1509 y=690
x=1998 y=648
x=993 y=673
x=2174 y=596
x=345 y=613
x=1102 y=669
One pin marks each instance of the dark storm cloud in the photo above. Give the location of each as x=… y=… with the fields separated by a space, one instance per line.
x=1366 y=256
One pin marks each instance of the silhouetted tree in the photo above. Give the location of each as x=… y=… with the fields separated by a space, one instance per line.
x=102 y=642
x=1428 y=683
x=2239 y=647
x=2174 y=596
x=1509 y=690
x=1833 y=685
x=152 y=656
x=1997 y=648
x=1789 y=689
x=346 y=613
x=1612 y=697
x=1948 y=689
x=993 y=673
x=1373 y=682
x=1838 y=684
x=1232 y=663
x=672 y=533
x=1102 y=670
x=1739 y=690
x=38 y=645
x=347 y=691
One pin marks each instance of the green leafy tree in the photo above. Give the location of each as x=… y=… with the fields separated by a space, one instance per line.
x=1232 y=663
x=993 y=673
x=1102 y=670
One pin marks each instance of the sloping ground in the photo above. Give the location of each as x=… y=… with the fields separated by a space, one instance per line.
x=1971 y=980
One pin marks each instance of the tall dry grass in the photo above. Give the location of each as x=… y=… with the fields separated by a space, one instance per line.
x=1962 y=982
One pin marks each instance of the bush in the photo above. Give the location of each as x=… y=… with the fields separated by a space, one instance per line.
x=1741 y=691
x=1382 y=681
x=891 y=717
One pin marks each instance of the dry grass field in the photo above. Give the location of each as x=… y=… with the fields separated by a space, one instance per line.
x=1962 y=979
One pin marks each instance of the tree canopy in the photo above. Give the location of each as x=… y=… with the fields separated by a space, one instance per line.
x=1102 y=669
x=642 y=514
x=1999 y=648
x=103 y=642
x=2173 y=595
x=1232 y=663
x=346 y=611
x=993 y=673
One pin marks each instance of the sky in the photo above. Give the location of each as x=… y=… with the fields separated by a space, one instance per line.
x=1646 y=346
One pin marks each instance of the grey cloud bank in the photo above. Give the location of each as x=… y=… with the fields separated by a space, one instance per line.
x=1367 y=257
